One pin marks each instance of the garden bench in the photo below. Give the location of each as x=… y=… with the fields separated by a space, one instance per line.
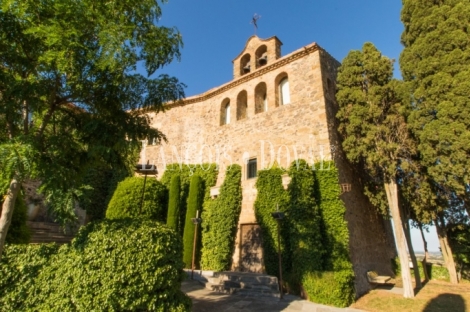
x=374 y=278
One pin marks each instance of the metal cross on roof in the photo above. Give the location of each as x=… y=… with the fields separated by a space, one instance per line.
x=254 y=21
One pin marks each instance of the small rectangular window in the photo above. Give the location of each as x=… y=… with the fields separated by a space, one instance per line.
x=252 y=169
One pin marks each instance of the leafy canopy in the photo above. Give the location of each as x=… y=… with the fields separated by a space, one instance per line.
x=434 y=63
x=70 y=97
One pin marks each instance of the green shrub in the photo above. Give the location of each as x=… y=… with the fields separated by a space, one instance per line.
x=219 y=223
x=435 y=271
x=208 y=174
x=19 y=268
x=195 y=200
x=330 y=288
x=114 y=265
x=126 y=200
x=102 y=182
x=18 y=232
x=271 y=196
x=172 y=219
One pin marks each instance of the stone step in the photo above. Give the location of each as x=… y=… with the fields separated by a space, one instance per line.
x=248 y=284
x=46 y=232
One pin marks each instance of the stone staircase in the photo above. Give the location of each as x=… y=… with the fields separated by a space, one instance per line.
x=248 y=284
x=47 y=232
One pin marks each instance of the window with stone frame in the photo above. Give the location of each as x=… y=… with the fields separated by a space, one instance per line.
x=252 y=168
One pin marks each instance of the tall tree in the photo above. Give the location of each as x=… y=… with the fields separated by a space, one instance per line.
x=69 y=94
x=435 y=63
x=375 y=132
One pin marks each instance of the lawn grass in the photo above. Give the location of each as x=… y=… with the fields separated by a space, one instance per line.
x=435 y=296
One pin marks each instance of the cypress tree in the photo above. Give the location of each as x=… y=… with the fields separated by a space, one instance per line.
x=195 y=200
x=172 y=219
x=435 y=63
x=375 y=131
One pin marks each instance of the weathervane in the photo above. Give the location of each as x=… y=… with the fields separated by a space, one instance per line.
x=254 y=21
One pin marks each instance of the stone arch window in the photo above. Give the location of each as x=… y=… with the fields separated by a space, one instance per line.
x=245 y=65
x=282 y=90
x=242 y=105
x=261 y=99
x=261 y=56
x=225 y=112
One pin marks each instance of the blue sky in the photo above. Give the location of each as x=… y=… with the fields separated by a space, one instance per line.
x=215 y=32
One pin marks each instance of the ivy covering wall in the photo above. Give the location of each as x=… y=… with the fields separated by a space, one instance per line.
x=272 y=196
x=220 y=219
x=315 y=237
x=305 y=222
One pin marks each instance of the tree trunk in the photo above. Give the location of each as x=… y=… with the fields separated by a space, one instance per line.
x=392 y=197
x=446 y=251
x=7 y=211
x=412 y=254
x=426 y=253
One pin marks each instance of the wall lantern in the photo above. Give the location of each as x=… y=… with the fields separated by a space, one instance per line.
x=145 y=170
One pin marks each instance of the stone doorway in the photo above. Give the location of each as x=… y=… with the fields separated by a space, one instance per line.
x=251 y=251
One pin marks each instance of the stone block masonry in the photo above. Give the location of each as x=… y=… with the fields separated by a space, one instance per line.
x=274 y=111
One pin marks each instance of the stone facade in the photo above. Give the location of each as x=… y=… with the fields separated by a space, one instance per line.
x=251 y=117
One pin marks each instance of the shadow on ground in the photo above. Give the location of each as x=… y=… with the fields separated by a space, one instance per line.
x=205 y=300
x=446 y=302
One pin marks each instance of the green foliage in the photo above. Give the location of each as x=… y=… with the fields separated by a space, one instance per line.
x=172 y=219
x=305 y=221
x=271 y=197
x=19 y=232
x=313 y=231
x=16 y=160
x=208 y=174
x=19 y=267
x=371 y=113
x=331 y=288
x=195 y=200
x=459 y=239
x=74 y=73
x=435 y=271
x=434 y=62
x=118 y=265
x=103 y=182
x=219 y=223
x=336 y=234
x=127 y=197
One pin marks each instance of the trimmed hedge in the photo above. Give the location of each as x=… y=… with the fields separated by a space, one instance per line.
x=19 y=268
x=195 y=200
x=18 y=232
x=220 y=220
x=126 y=200
x=114 y=265
x=208 y=174
x=271 y=195
x=172 y=219
x=331 y=288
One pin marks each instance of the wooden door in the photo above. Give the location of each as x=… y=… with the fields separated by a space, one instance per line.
x=251 y=251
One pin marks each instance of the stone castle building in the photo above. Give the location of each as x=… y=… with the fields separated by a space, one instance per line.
x=276 y=109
